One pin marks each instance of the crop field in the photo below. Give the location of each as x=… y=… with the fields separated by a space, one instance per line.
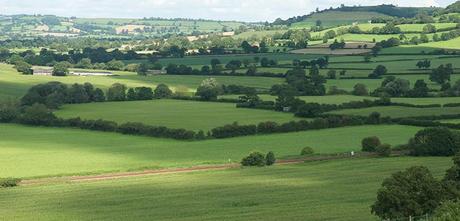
x=191 y=115
x=399 y=112
x=58 y=151
x=296 y=192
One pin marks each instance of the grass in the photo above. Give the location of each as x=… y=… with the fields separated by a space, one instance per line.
x=453 y=121
x=335 y=190
x=450 y=44
x=399 y=112
x=35 y=151
x=190 y=115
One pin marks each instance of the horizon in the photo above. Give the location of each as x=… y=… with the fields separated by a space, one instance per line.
x=178 y=9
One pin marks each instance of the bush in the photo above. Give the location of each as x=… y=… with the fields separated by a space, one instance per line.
x=383 y=150
x=254 y=159
x=370 y=144
x=307 y=151
x=270 y=159
x=9 y=182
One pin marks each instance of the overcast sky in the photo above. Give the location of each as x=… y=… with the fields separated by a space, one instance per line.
x=242 y=10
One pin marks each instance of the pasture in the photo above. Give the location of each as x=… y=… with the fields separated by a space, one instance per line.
x=400 y=112
x=335 y=190
x=59 y=151
x=191 y=115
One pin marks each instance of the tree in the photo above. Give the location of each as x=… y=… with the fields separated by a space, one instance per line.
x=254 y=159
x=9 y=110
x=360 y=90
x=98 y=95
x=307 y=151
x=162 y=91
x=116 y=92
x=420 y=89
x=37 y=114
x=143 y=93
x=378 y=71
x=61 y=69
x=383 y=150
x=370 y=144
x=209 y=89
x=115 y=65
x=142 y=69
x=24 y=67
x=447 y=211
x=77 y=94
x=131 y=95
x=84 y=63
x=270 y=159
x=437 y=141
x=442 y=74
x=332 y=74
x=413 y=192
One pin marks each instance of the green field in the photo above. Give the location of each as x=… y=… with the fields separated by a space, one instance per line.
x=450 y=44
x=192 y=115
x=13 y=84
x=337 y=190
x=399 y=112
x=340 y=99
x=36 y=151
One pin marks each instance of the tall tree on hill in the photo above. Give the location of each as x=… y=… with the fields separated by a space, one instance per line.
x=441 y=74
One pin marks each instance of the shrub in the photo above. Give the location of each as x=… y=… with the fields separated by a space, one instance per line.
x=370 y=144
x=383 y=150
x=9 y=182
x=254 y=159
x=270 y=159
x=307 y=151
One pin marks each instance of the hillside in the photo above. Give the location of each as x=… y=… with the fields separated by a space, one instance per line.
x=350 y=14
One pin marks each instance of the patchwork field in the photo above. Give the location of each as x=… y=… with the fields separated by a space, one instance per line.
x=339 y=190
x=58 y=151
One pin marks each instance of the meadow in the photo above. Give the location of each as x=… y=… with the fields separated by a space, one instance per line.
x=191 y=115
x=400 y=112
x=335 y=190
x=58 y=151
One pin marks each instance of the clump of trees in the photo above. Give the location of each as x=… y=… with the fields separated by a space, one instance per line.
x=306 y=151
x=258 y=159
x=438 y=141
x=209 y=89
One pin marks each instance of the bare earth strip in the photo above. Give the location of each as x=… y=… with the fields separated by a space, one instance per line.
x=112 y=176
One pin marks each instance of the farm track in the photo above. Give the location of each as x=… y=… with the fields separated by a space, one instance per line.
x=120 y=175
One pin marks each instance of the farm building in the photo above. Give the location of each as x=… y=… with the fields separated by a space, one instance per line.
x=88 y=73
x=42 y=71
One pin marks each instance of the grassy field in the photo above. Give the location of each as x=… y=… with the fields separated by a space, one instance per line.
x=13 y=84
x=336 y=190
x=192 y=115
x=340 y=99
x=35 y=151
x=450 y=44
x=397 y=112
x=454 y=121
x=336 y=18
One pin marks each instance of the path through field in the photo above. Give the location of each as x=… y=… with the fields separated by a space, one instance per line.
x=111 y=176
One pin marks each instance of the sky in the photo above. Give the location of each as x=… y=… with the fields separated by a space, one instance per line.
x=239 y=10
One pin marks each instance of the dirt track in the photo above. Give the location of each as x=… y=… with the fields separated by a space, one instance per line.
x=111 y=176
